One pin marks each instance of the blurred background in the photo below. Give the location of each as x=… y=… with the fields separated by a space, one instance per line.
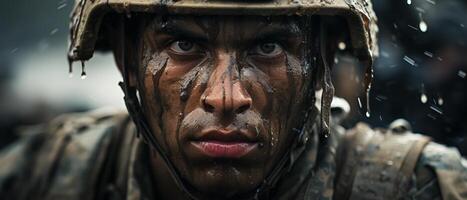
x=420 y=75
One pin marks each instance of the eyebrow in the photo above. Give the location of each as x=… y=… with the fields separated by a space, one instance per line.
x=179 y=31
x=275 y=32
x=268 y=32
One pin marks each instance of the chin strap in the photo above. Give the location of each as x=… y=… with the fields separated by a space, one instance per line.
x=262 y=192
x=134 y=109
x=133 y=105
x=328 y=90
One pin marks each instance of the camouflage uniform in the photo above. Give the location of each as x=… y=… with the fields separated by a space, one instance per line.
x=98 y=156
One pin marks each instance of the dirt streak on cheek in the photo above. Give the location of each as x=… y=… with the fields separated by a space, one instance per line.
x=253 y=75
x=230 y=75
x=186 y=89
x=153 y=72
x=206 y=72
x=295 y=79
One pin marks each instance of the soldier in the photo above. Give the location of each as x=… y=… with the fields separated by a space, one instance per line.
x=227 y=100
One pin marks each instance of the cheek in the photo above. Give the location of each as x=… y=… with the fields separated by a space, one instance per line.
x=279 y=80
x=178 y=68
x=287 y=82
x=161 y=96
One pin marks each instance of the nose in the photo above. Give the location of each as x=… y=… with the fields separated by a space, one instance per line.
x=225 y=93
x=227 y=98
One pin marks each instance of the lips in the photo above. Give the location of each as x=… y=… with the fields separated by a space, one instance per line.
x=224 y=143
x=217 y=149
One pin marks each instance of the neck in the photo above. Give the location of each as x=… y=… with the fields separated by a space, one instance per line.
x=164 y=185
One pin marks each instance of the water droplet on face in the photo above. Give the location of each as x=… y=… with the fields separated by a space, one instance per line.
x=260 y=145
x=184 y=95
x=423 y=98
x=423 y=26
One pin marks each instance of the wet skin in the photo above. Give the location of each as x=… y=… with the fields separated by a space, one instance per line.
x=222 y=95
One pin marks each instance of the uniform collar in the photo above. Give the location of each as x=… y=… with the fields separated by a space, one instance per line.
x=139 y=183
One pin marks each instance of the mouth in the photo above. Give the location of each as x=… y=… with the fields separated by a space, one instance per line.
x=224 y=144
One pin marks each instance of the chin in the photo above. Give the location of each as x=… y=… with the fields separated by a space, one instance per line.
x=224 y=181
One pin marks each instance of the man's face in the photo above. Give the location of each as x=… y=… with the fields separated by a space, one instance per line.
x=223 y=95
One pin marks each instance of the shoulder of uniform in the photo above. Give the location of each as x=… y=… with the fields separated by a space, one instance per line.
x=441 y=171
x=81 y=122
x=73 y=134
x=71 y=149
x=375 y=163
x=442 y=157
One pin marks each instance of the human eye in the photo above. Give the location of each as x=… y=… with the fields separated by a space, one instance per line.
x=184 y=47
x=267 y=49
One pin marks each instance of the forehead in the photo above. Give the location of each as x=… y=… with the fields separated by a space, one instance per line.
x=235 y=26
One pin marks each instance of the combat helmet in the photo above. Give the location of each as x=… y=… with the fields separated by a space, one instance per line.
x=359 y=21
x=87 y=18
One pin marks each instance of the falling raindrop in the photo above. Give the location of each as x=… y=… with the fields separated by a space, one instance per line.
x=410 y=60
x=367 y=114
x=342 y=46
x=436 y=109
x=409 y=2
x=336 y=60
x=423 y=98
x=61 y=6
x=461 y=74
x=54 y=31
x=423 y=27
x=429 y=54
x=440 y=101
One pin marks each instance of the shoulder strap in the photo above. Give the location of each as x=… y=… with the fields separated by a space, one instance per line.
x=377 y=164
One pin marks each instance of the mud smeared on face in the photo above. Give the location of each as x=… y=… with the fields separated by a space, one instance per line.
x=225 y=95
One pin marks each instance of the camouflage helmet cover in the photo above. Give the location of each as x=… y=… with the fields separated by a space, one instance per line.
x=359 y=15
